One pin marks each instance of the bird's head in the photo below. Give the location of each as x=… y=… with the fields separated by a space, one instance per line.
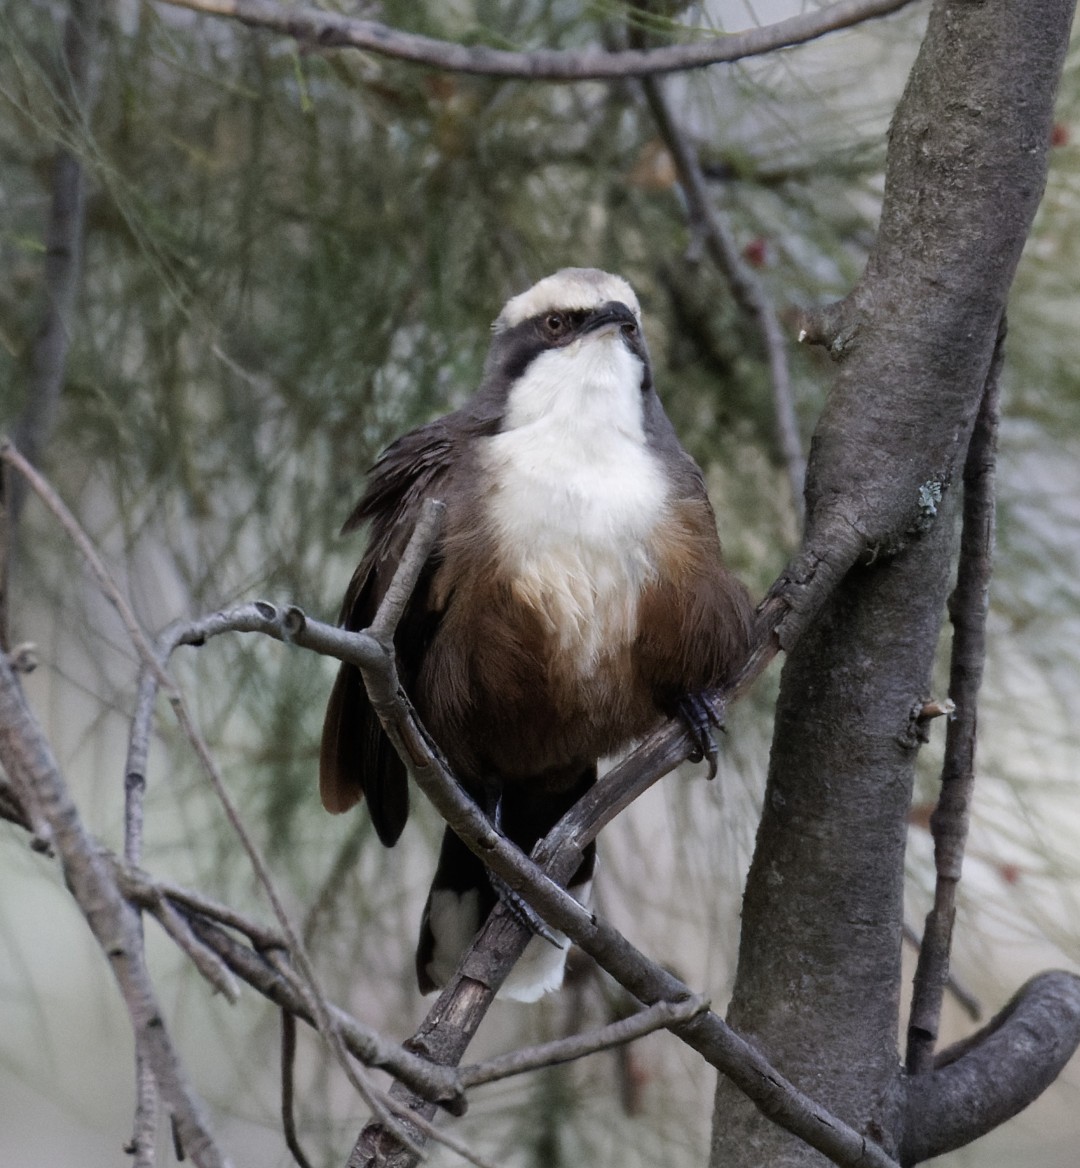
x=571 y=344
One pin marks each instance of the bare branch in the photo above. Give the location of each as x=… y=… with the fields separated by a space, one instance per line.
x=650 y=983
x=326 y=30
x=205 y=960
x=645 y=979
x=415 y=556
x=968 y=607
x=564 y=1050
x=155 y=667
x=324 y=1018
x=142 y=1147
x=980 y=1083
x=965 y=999
x=748 y=290
x=25 y=750
x=60 y=510
x=436 y=1083
x=288 y=1103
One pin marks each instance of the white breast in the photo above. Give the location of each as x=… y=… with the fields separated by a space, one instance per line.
x=576 y=494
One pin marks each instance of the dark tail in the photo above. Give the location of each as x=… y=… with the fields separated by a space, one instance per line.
x=462 y=896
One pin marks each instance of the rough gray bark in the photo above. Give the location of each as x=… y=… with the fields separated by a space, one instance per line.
x=818 y=981
x=988 y=1078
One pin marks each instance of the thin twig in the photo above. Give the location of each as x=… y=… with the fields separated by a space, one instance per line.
x=747 y=289
x=143 y=1146
x=324 y=1018
x=965 y=999
x=322 y=29
x=408 y=1116
x=968 y=607
x=74 y=531
x=288 y=1101
x=563 y=1050
x=205 y=960
x=438 y=1084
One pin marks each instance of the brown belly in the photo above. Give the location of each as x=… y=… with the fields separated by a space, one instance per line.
x=508 y=698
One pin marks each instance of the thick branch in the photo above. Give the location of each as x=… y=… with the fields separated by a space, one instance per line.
x=996 y=1073
x=322 y=29
x=819 y=966
x=964 y=176
x=968 y=607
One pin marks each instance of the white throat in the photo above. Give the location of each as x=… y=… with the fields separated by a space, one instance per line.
x=576 y=494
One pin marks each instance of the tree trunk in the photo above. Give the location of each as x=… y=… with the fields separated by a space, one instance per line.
x=818 y=980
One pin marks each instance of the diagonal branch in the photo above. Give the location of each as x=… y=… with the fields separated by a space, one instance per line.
x=484 y=966
x=214 y=926
x=968 y=607
x=564 y=1050
x=321 y=29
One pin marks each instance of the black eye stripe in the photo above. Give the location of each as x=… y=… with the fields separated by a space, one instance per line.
x=562 y=323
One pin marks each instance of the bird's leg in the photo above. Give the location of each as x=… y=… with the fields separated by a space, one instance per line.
x=523 y=913
x=702 y=712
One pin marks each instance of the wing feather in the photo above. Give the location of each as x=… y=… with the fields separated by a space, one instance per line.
x=355 y=757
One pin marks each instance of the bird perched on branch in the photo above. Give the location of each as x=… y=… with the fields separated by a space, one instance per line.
x=576 y=595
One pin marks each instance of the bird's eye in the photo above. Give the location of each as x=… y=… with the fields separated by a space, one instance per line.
x=555 y=323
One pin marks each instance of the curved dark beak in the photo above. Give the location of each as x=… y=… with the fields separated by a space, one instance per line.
x=612 y=313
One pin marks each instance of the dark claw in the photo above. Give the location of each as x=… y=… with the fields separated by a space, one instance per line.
x=522 y=912
x=702 y=713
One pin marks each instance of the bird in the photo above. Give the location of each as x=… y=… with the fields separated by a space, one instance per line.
x=575 y=598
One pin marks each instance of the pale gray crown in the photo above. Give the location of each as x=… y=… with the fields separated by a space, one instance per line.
x=568 y=290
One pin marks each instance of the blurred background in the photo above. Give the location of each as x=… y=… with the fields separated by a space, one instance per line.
x=292 y=256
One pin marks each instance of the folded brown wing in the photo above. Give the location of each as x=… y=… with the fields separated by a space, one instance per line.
x=356 y=758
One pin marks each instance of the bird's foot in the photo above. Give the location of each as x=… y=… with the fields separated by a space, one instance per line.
x=516 y=905
x=702 y=712
x=524 y=913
